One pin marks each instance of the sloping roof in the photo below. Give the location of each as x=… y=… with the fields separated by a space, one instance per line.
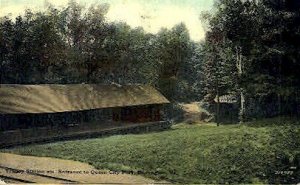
x=21 y=99
x=229 y=98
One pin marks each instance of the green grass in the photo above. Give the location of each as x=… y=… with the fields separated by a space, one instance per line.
x=248 y=153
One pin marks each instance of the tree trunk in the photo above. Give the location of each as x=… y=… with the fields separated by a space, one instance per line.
x=218 y=109
x=243 y=107
x=242 y=96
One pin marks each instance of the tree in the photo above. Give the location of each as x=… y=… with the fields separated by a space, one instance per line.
x=219 y=76
x=260 y=35
x=72 y=45
x=173 y=50
x=6 y=50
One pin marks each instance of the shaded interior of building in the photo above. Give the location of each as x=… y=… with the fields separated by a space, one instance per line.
x=125 y=115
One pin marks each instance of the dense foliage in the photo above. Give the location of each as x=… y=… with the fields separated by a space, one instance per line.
x=77 y=45
x=252 y=51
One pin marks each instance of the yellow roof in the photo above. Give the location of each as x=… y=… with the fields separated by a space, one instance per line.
x=52 y=98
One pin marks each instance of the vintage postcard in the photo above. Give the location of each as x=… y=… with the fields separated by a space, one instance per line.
x=150 y=91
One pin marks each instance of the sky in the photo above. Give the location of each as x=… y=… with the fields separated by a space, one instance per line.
x=152 y=15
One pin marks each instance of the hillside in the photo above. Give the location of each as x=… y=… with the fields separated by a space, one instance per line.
x=248 y=153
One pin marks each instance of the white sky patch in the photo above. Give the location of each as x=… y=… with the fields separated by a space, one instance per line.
x=129 y=13
x=167 y=16
x=13 y=10
x=151 y=16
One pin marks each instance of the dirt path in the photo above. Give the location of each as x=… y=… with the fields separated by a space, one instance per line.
x=193 y=113
x=28 y=169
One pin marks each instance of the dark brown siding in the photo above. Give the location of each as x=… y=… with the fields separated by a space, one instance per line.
x=137 y=114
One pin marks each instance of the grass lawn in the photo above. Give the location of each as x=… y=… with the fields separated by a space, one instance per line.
x=248 y=153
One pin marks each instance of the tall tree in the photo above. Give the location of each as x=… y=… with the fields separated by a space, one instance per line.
x=173 y=49
x=259 y=33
